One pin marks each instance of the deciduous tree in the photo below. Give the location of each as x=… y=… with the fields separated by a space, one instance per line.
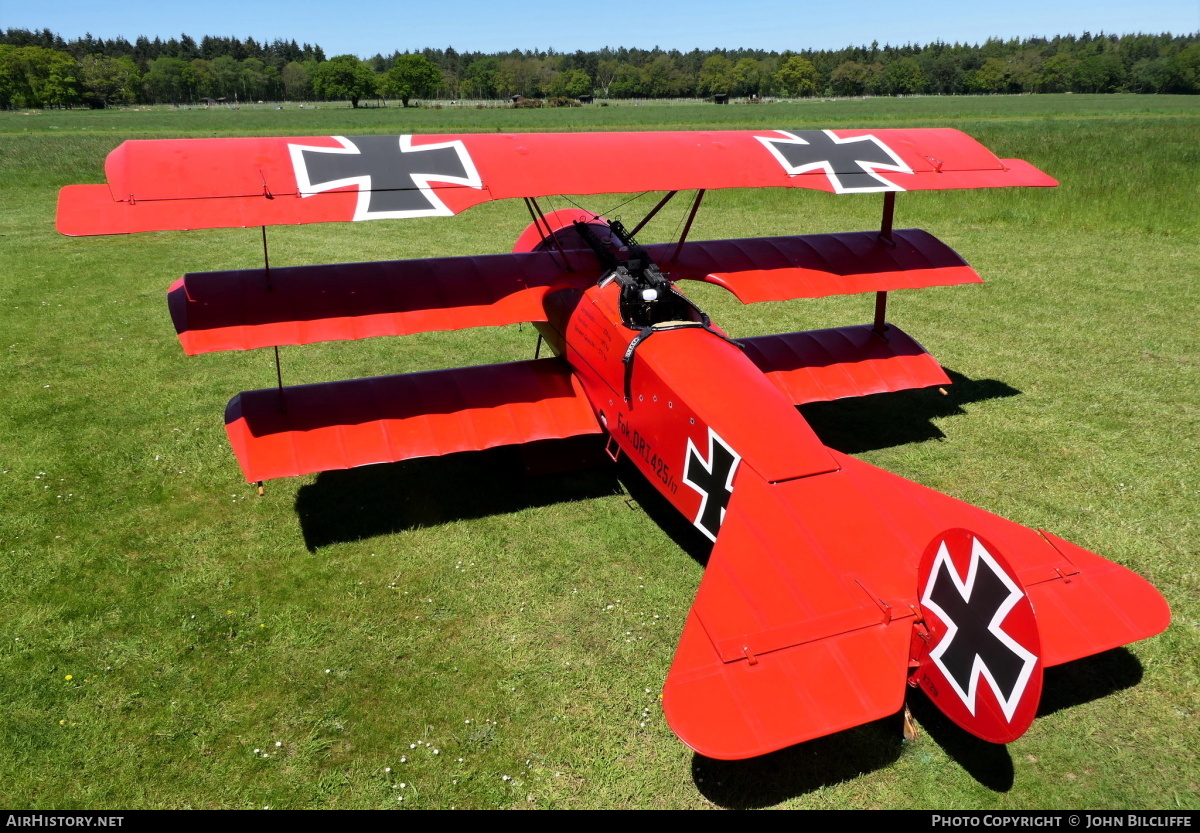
x=717 y=75
x=170 y=79
x=343 y=77
x=904 y=77
x=571 y=83
x=850 y=78
x=109 y=80
x=297 y=86
x=412 y=76
x=33 y=76
x=797 y=76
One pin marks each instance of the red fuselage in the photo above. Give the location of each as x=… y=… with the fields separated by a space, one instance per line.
x=689 y=409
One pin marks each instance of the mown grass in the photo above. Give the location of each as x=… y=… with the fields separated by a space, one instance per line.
x=525 y=624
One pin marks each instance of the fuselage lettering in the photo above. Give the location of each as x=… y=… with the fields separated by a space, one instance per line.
x=640 y=447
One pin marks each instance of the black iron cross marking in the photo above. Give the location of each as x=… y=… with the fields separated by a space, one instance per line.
x=392 y=174
x=974 y=644
x=850 y=164
x=713 y=479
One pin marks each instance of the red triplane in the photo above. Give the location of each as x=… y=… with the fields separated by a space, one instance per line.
x=832 y=585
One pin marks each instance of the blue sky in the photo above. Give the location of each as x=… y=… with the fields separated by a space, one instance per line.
x=365 y=27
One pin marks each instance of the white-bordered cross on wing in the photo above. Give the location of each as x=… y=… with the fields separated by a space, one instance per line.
x=394 y=177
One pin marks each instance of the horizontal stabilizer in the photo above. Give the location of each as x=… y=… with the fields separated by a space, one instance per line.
x=822 y=365
x=340 y=425
x=817 y=265
x=811 y=593
x=737 y=710
x=241 y=310
x=1095 y=609
x=1085 y=604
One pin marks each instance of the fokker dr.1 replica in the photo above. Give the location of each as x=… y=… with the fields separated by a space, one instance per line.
x=832 y=586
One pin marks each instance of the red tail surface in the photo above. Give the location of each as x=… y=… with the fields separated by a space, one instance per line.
x=804 y=621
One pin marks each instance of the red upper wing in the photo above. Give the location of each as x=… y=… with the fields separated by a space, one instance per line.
x=217 y=183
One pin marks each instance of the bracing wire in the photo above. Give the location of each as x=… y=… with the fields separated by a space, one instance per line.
x=607 y=212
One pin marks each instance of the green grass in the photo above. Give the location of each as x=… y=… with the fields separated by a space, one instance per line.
x=350 y=615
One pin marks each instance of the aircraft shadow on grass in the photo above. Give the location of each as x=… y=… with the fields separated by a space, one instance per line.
x=770 y=779
x=350 y=505
x=353 y=504
x=886 y=420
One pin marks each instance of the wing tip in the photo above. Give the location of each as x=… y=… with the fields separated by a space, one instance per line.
x=1029 y=175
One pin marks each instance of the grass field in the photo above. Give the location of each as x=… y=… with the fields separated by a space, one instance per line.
x=455 y=633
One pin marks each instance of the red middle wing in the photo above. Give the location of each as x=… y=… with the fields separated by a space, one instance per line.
x=245 y=309
x=817 y=265
x=303 y=304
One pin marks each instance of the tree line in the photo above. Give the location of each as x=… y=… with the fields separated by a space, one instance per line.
x=41 y=69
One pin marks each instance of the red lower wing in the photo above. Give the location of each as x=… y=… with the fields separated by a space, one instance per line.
x=822 y=365
x=340 y=425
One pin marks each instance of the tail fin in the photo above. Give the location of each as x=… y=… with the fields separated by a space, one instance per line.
x=977 y=652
